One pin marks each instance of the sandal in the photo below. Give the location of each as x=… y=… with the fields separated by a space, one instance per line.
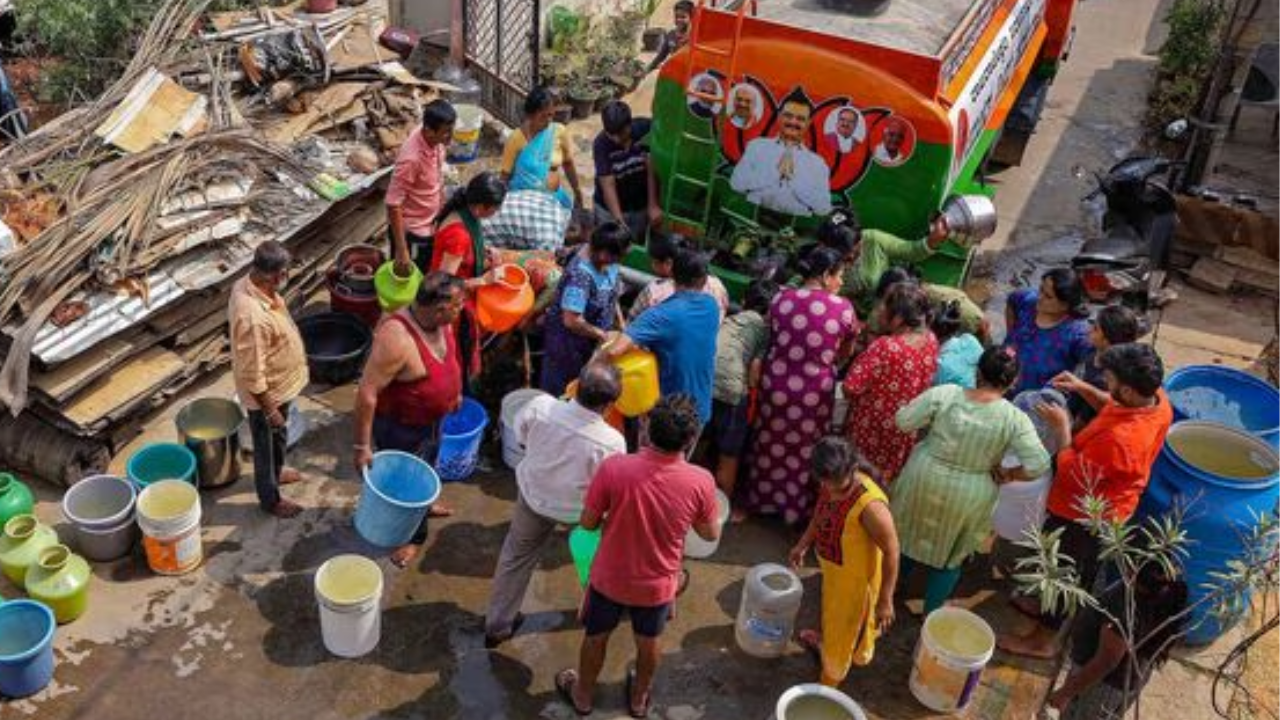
x=566 y=680
x=811 y=641
x=632 y=710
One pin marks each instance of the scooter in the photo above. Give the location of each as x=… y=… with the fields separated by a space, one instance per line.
x=1128 y=259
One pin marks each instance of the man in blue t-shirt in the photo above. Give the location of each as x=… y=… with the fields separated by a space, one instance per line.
x=681 y=331
x=626 y=189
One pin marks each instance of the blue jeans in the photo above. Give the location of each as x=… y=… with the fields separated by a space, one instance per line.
x=268 y=456
x=421 y=441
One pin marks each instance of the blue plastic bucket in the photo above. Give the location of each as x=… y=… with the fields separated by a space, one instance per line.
x=398 y=488
x=1223 y=477
x=161 y=461
x=460 y=436
x=1224 y=395
x=26 y=647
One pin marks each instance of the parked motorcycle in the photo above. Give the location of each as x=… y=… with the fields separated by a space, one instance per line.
x=1127 y=259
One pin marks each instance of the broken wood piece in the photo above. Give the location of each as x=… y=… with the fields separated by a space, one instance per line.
x=155 y=109
x=1262 y=280
x=1212 y=275
x=1247 y=258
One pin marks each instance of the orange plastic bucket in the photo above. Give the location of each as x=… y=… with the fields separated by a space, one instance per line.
x=640 y=389
x=502 y=305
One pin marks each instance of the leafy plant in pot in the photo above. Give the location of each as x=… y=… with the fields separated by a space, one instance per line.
x=582 y=94
x=651 y=39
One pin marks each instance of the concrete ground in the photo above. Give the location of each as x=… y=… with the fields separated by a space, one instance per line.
x=240 y=638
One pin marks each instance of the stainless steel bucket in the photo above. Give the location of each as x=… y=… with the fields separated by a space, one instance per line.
x=970 y=218
x=210 y=428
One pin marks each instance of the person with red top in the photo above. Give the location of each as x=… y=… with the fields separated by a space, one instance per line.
x=412 y=379
x=646 y=503
x=416 y=191
x=1110 y=459
x=459 y=250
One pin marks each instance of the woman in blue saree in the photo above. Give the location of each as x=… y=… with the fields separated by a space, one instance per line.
x=538 y=150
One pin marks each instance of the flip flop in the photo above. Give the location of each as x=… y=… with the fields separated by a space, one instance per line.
x=811 y=641
x=648 y=700
x=565 y=682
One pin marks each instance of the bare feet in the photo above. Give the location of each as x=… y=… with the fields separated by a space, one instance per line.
x=1039 y=644
x=811 y=640
x=404 y=555
x=736 y=516
x=289 y=476
x=439 y=510
x=285 y=509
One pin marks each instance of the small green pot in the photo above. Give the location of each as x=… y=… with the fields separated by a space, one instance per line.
x=15 y=498
x=24 y=538
x=60 y=579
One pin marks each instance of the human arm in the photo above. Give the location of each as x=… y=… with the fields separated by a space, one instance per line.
x=644 y=331
x=802 y=546
x=384 y=364
x=878 y=523
x=596 y=502
x=609 y=189
x=251 y=344
x=1110 y=654
x=402 y=177
x=655 y=205
x=1026 y=446
x=511 y=151
x=909 y=251
x=1059 y=421
x=707 y=525
x=918 y=414
x=1067 y=382
x=570 y=170
x=395 y=220
x=455 y=244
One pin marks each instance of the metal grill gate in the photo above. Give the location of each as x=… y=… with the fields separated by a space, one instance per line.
x=502 y=40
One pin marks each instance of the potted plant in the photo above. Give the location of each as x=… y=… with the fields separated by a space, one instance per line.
x=582 y=95
x=651 y=39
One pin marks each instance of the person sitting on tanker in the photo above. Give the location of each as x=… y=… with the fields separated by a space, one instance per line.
x=889 y=150
x=869 y=253
x=780 y=173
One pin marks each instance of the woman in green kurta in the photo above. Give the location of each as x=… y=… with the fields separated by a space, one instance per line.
x=868 y=253
x=944 y=497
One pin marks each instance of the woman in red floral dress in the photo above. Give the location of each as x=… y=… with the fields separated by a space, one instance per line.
x=895 y=369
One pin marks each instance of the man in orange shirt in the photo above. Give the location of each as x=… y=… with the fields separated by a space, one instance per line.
x=416 y=192
x=1109 y=459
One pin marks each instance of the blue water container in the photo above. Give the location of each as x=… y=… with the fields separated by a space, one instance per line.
x=398 y=488
x=26 y=647
x=1224 y=395
x=460 y=435
x=161 y=461
x=1224 y=478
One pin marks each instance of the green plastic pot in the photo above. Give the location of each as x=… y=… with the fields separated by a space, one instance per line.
x=24 y=538
x=60 y=580
x=583 y=545
x=15 y=498
x=394 y=291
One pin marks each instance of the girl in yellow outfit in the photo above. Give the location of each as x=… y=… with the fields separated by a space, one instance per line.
x=857 y=547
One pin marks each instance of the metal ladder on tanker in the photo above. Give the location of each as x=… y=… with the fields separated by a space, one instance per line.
x=684 y=138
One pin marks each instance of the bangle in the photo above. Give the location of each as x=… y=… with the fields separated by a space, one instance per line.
x=358 y=446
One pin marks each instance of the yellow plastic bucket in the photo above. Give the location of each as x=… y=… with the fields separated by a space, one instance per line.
x=954 y=647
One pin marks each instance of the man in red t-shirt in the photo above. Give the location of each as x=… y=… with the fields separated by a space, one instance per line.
x=647 y=503
x=1110 y=459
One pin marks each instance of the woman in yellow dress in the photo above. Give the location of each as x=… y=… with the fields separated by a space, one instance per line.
x=856 y=543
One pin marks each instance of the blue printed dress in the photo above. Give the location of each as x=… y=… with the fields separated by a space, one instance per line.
x=590 y=292
x=1043 y=352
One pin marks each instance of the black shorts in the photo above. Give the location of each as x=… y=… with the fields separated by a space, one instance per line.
x=729 y=427
x=600 y=615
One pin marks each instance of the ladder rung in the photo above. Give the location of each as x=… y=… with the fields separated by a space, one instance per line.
x=680 y=177
x=699 y=139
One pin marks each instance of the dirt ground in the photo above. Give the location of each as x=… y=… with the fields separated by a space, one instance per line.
x=240 y=637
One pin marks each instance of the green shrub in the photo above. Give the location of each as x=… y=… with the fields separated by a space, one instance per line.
x=1186 y=60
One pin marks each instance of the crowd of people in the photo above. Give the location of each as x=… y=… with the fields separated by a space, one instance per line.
x=868 y=410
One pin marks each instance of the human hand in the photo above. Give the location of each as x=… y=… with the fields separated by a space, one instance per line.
x=1055 y=415
x=797 y=554
x=938 y=230
x=655 y=215
x=1067 y=382
x=363 y=458
x=402 y=266
x=275 y=418
x=884 y=613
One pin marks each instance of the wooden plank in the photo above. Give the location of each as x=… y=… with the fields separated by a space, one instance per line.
x=1258 y=280
x=73 y=376
x=1212 y=275
x=1249 y=259
x=122 y=386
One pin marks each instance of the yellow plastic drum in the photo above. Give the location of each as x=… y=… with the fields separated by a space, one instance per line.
x=640 y=390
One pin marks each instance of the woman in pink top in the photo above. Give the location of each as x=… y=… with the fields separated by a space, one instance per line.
x=647 y=503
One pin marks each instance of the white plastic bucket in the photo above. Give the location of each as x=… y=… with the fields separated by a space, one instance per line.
x=349 y=593
x=1021 y=506
x=512 y=404
x=812 y=700
x=169 y=517
x=697 y=548
x=466 y=134
x=954 y=647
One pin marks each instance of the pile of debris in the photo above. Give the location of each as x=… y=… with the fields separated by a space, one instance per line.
x=120 y=237
x=1223 y=246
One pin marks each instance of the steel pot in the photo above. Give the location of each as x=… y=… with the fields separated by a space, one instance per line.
x=210 y=428
x=970 y=218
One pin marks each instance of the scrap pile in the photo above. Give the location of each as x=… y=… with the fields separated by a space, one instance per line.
x=123 y=223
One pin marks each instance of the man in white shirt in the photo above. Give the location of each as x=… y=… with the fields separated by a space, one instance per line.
x=564 y=444
x=889 y=150
x=782 y=174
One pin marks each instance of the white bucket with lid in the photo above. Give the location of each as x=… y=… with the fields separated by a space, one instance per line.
x=349 y=593
x=954 y=647
x=169 y=517
x=697 y=548
x=1020 y=505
